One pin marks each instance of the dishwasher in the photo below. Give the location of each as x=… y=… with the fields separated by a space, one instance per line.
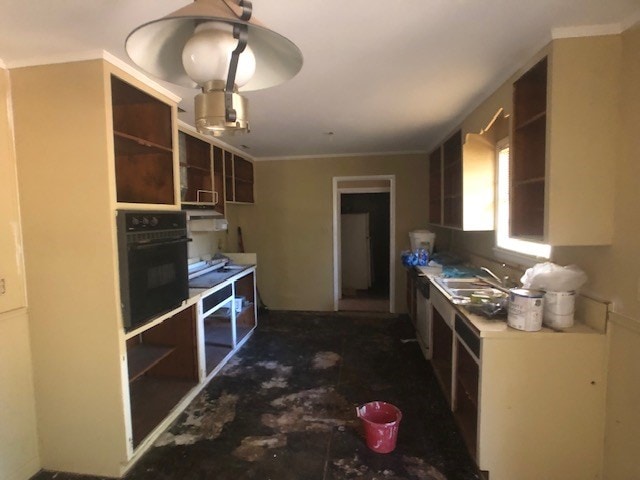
x=423 y=316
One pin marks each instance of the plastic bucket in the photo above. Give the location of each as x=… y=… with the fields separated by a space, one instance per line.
x=422 y=239
x=559 y=308
x=380 y=421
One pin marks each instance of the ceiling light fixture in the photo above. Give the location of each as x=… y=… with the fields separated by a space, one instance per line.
x=218 y=46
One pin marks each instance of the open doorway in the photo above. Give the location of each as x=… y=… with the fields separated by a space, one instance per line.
x=364 y=223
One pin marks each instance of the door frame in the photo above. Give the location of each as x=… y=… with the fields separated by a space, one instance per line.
x=337 y=263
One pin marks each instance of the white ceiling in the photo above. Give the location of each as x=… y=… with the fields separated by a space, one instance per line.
x=383 y=76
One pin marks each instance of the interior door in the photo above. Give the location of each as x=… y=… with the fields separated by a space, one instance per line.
x=355 y=251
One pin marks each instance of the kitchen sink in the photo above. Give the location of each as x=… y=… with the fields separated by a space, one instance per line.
x=475 y=295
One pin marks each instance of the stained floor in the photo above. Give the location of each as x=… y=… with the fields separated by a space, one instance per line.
x=284 y=408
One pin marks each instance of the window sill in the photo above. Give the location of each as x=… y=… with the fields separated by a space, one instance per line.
x=516 y=258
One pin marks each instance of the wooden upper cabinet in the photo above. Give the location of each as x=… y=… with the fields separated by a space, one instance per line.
x=565 y=138
x=218 y=178
x=452 y=181
x=435 y=186
x=238 y=176
x=527 y=172
x=243 y=180
x=196 y=176
x=462 y=179
x=143 y=146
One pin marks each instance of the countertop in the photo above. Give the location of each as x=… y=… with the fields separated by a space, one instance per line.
x=217 y=278
x=498 y=328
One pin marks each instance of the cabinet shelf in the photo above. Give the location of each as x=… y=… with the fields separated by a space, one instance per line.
x=529 y=181
x=142 y=358
x=131 y=145
x=528 y=121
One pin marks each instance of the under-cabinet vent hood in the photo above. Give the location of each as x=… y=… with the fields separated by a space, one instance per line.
x=206 y=223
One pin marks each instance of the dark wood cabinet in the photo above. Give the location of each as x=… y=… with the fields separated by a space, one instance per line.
x=196 y=179
x=452 y=181
x=238 y=177
x=435 y=186
x=527 y=185
x=218 y=178
x=143 y=146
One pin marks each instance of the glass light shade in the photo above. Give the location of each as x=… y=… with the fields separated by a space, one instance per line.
x=207 y=54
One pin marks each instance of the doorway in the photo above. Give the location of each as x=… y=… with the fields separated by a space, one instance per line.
x=364 y=222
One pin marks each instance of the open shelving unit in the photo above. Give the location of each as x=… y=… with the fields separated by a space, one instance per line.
x=143 y=146
x=466 y=399
x=527 y=191
x=163 y=368
x=441 y=359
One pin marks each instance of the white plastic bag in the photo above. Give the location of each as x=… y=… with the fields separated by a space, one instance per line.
x=553 y=278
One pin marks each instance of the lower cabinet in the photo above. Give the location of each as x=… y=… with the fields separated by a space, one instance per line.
x=171 y=361
x=163 y=368
x=528 y=405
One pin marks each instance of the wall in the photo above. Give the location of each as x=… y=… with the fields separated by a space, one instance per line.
x=18 y=434
x=291 y=225
x=612 y=269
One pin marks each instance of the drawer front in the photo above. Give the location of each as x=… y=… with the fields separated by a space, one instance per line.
x=442 y=305
x=468 y=335
x=216 y=297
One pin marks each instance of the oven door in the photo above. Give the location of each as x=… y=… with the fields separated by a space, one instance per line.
x=156 y=281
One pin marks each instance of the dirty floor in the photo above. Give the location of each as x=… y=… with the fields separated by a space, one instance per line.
x=284 y=408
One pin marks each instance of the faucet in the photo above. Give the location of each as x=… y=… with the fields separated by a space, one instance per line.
x=503 y=282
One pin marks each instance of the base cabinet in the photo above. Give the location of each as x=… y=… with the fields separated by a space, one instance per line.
x=528 y=405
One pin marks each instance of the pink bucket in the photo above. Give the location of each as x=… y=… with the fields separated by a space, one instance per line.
x=380 y=421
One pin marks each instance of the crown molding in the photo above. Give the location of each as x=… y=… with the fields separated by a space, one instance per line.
x=94 y=55
x=341 y=155
x=587 y=31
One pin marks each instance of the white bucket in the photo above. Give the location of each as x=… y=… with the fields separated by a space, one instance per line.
x=559 y=308
x=422 y=239
x=525 y=309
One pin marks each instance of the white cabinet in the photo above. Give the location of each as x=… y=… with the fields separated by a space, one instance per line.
x=529 y=405
x=565 y=142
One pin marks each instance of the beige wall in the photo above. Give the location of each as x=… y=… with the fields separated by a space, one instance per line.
x=613 y=271
x=18 y=435
x=291 y=225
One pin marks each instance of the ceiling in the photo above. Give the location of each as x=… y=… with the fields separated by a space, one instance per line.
x=378 y=76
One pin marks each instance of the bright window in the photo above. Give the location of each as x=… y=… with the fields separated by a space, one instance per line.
x=503 y=240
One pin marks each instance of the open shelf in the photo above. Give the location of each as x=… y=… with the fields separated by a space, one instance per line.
x=218 y=337
x=441 y=360
x=142 y=358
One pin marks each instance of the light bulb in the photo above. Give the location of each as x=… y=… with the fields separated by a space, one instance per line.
x=207 y=54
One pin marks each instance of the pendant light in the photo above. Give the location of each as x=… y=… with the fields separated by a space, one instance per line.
x=217 y=46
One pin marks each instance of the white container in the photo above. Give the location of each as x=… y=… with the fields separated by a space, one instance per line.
x=237 y=303
x=422 y=239
x=559 y=308
x=525 y=309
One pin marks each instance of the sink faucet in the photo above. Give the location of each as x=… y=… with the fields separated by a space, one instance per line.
x=503 y=282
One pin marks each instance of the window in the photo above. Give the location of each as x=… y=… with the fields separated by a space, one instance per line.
x=503 y=241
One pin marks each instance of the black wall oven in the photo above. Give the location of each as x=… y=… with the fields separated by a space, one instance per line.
x=152 y=250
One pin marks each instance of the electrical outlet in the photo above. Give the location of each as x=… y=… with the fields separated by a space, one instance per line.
x=3 y=288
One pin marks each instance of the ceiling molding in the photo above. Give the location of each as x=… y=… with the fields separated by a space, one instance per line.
x=94 y=55
x=341 y=155
x=587 y=31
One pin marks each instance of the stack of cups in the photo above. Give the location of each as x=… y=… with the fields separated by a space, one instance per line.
x=559 y=308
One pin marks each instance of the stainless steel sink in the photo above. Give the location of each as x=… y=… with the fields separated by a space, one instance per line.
x=488 y=300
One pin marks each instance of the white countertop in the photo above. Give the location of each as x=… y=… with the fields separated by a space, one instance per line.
x=498 y=328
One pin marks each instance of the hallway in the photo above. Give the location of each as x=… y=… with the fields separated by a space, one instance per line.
x=284 y=408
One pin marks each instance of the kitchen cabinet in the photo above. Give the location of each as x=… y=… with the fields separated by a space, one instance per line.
x=143 y=145
x=435 y=186
x=565 y=128
x=520 y=399
x=412 y=295
x=201 y=171
x=461 y=183
x=238 y=179
x=98 y=132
